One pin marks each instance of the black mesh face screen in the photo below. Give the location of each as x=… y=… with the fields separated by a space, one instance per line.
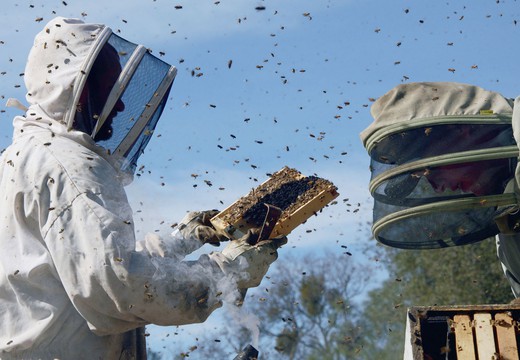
x=135 y=103
x=433 y=190
x=137 y=148
x=429 y=141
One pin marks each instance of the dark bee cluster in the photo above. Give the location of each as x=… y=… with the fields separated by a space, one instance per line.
x=286 y=189
x=283 y=197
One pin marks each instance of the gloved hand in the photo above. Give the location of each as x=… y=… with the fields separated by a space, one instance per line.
x=196 y=225
x=249 y=263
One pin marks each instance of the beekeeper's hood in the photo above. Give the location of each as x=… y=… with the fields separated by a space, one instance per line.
x=86 y=78
x=441 y=156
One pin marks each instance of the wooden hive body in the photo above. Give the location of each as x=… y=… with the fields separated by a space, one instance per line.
x=463 y=332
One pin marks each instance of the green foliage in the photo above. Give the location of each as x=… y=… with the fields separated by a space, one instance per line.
x=462 y=275
x=286 y=342
x=312 y=289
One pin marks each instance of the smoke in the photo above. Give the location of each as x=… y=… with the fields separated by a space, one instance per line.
x=186 y=278
x=241 y=316
x=233 y=305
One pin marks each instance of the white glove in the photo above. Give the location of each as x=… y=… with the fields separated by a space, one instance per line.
x=196 y=225
x=248 y=263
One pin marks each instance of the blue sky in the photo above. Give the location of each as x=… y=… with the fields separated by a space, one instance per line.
x=297 y=92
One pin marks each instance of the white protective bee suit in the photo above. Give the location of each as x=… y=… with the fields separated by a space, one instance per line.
x=508 y=241
x=74 y=283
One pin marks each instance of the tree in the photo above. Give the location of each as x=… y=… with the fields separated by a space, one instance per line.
x=308 y=310
x=462 y=275
x=311 y=310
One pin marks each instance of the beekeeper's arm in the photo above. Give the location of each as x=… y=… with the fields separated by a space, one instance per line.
x=245 y=263
x=240 y=260
x=193 y=231
x=116 y=288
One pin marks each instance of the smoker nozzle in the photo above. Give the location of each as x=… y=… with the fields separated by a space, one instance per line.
x=248 y=353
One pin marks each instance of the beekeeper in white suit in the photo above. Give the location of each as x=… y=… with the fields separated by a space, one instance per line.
x=74 y=283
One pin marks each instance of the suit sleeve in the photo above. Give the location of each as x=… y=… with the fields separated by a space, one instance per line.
x=113 y=286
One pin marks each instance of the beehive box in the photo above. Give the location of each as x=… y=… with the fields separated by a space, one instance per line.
x=298 y=196
x=463 y=332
